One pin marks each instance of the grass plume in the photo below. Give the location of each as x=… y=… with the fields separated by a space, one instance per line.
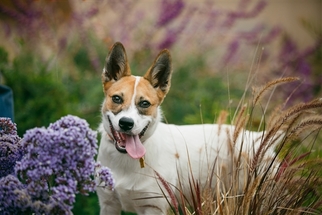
x=259 y=93
x=290 y=182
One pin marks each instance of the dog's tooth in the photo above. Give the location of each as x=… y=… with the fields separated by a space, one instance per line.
x=122 y=136
x=119 y=138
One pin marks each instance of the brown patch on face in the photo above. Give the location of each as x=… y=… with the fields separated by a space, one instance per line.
x=146 y=92
x=160 y=93
x=108 y=84
x=124 y=88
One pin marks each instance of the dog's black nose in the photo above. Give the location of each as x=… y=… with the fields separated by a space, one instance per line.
x=126 y=123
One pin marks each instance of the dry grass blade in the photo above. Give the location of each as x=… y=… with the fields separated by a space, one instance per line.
x=287 y=121
x=274 y=116
x=169 y=191
x=269 y=139
x=313 y=122
x=287 y=162
x=249 y=195
x=222 y=117
x=298 y=109
x=271 y=84
x=195 y=195
x=240 y=123
x=221 y=120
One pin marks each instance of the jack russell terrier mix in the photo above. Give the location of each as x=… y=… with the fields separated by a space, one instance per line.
x=140 y=149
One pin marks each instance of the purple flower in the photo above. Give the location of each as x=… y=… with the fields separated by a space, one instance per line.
x=169 y=40
x=61 y=155
x=10 y=149
x=234 y=16
x=7 y=127
x=58 y=163
x=289 y=51
x=231 y=52
x=295 y=62
x=169 y=11
x=104 y=177
x=13 y=199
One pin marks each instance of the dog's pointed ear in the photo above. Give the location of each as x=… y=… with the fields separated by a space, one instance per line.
x=116 y=65
x=159 y=74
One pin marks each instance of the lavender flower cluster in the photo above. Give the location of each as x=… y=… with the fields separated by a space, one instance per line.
x=58 y=163
x=296 y=62
x=104 y=177
x=10 y=148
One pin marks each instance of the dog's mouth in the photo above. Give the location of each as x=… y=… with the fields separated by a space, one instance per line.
x=128 y=143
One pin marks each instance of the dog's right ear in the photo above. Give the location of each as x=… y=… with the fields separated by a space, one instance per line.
x=159 y=74
x=116 y=65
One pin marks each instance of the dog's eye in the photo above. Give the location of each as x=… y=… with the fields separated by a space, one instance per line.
x=144 y=104
x=117 y=99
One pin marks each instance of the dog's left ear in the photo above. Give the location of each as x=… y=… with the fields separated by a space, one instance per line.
x=116 y=65
x=159 y=74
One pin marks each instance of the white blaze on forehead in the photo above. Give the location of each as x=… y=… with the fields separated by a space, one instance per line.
x=137 y=80
x=131 y=110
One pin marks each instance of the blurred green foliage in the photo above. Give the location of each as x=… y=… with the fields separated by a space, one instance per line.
x=43 y=94
x=39 y=97
x=196 y=96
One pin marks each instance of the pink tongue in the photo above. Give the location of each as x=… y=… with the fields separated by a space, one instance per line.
x=134 y=146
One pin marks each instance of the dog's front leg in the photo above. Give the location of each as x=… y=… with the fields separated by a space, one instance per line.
x=151 y=211
x=109 y=202
x=153 y=207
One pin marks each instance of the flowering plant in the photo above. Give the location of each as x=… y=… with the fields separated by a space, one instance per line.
x=57 y=163
x=10 y=148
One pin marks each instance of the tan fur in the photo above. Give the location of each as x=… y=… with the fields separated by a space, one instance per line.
x=124 y=89
x=146 y=92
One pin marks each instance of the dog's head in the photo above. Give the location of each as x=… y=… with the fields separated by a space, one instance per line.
x=131 y=105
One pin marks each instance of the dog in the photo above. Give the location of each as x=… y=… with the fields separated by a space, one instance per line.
x=141 y=150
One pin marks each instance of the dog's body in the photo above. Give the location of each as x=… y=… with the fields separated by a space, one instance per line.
x=131 y=130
